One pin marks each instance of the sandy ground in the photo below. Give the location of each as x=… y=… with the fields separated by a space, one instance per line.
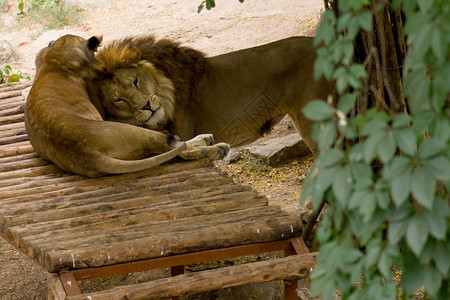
x=230 y=26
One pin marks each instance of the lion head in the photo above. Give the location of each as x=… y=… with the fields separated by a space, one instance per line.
x=132 y=90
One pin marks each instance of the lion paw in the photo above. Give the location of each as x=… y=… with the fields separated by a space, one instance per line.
x=201 y=140
x=214 y=152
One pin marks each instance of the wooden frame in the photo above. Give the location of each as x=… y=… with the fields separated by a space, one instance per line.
x=169 y=216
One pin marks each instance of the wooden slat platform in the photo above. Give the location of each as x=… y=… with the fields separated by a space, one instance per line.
x=170 y=215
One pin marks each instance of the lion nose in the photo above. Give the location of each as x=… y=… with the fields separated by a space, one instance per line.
x=147 y=107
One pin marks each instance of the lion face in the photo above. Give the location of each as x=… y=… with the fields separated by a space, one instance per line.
x=138 y=95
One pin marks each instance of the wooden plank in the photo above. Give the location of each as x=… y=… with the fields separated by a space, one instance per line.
x=220 y=236
x=26 y=207
x=16 y=86
x=12 y=132
x=13 y=109
x=13 y=139
x=16 y=149
x=144 y=204
x=54 y=287
x=12 y=102
x=11 y=119
x=6 y=127
x=84 y=190
x=188 y=218
x=23 y=164
x=96 y=219
x=32 y=172
x=287 y=268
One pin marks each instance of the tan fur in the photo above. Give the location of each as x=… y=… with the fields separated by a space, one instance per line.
x=64 y=126
x=236 y=96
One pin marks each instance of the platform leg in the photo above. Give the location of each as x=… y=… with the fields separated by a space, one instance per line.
x=290 y=289
x=55 y=287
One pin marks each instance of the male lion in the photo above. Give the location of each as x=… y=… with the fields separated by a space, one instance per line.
x=66 y=128
x=236 y=96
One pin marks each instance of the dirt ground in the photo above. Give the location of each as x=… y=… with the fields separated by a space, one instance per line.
x=230 y=26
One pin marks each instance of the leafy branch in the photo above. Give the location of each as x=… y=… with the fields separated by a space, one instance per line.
x=209 y=4
x=386 y=172
x=7 y=75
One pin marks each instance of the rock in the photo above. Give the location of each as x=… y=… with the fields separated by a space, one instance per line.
x=8 y=53
x=279 y=149
x=233 y=156
x=263 y=291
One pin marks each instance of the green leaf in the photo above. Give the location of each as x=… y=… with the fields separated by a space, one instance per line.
x=387 y=147
x=417 y=234
x=441 y=251
x=401 y=120
x=432 y=280
x=385 y=263
x=396 y=230
x=365 y=20
x=423 y=185
x=416 y=88
x=356 y=153
x=439 y=167
x=437 y=45
x=327 y=135
x=400 y=187
x=14 y=78
x=346 y=102
x=357 y=198
x=436 y=225
x=430 y=148
x=330 y=158
x=325 y=31
x=342 y=185
x=323 y=66
x=318 y=110
x=210 y=4
x=367 y=206
x=373 y=126
x=371 y=145
x=358 y=70
x=396 y=168
x=440 y=128
x=406 y=140
x=412 y=277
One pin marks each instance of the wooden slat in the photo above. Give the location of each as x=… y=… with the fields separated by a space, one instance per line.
x=287 y=268
x=96 y=219
x=11 y=119
x=16 y=149
x=164 y=244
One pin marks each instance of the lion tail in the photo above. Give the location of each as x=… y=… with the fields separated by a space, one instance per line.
x=109 y=165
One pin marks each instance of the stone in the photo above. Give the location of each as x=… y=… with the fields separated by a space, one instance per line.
x=279 y=149
x=8 y=53
x=233 y=156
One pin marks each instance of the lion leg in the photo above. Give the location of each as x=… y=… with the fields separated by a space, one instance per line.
x=304 y=127
x=200 y=140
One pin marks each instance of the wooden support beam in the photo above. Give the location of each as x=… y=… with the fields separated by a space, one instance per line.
x=55 y=288
x=287 y=268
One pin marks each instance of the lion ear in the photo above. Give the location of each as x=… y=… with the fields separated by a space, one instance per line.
x=94 y=42
x=132 y=55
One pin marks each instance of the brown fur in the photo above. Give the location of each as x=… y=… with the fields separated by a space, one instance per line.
x=236 y=96
x=65 y=128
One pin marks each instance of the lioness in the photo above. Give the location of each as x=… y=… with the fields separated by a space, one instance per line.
x=236 y=96
x=65 y=127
